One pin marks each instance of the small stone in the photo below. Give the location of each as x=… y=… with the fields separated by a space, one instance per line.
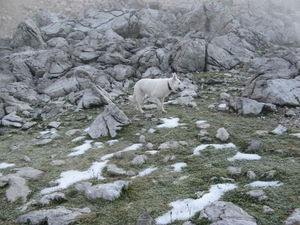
x=167 y=158
x=13 y=148
x=130 y=173
x=139 y=160
x=57 y=162
x=256 y=193
x=261 y=132
x=148 y=115
x=268 y=210
x=112 y=169
x=142 y=139
x=290 y=113
x=202 y=124
x=72 y=132
x=81 y=117
x=225 y=96
x=28 y=125
x=227 y=179
x=144 y=219
x=222 y=134
x=43 y=142
x=149 y=146
x=234 y=170
x=271 y=174
x=151 y=131
x=25 y=158
x=251 y=175
x=54 y=124
x=118 y=155
x=254 y=145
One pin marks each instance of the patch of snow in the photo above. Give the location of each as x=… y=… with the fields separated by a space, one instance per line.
x=26 y=205
x=6 y=165
x=112 y=142
x=129 y=148
x=152 y=152
x=79 y=150
x=265 y=184
x=183 y=177
x=187 y=208
x=201 y=121
x=51 y=131
x=71 y=177
x=169 y=123
x=108 y=156
x=178 y=166
x=78 y=138
x=200 y=148
x=296 y=135
x=146 y=172
x=243 y=156
x=132 y=147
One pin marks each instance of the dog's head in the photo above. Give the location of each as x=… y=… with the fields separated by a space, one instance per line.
x=176 y=85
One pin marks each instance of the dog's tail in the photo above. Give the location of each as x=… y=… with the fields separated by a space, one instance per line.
x=131 y=98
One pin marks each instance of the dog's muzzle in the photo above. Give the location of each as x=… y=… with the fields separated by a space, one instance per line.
x=179 y=89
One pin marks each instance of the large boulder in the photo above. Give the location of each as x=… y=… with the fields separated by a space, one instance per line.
x=155 y=22
x=228 y=51
x=189 y=54
x=27 y=34
x=60 y=28
x=150 y=57
x=273 y=19
x=6 y=77
x=123 y=22
x=280 y=88
x=214 y=18
x=13 y=104
x=108 y=122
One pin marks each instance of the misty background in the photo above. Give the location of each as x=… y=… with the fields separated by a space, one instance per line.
x=282 y=13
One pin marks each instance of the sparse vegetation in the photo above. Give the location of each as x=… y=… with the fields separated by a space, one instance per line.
x=154 y=192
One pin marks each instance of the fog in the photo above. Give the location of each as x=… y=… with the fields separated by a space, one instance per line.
x=283 y=12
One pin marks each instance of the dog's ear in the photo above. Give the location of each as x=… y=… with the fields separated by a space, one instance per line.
x=174 y=76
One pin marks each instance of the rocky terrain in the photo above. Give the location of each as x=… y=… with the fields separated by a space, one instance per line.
x=67 y=61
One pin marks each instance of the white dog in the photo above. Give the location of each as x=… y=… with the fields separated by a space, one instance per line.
x=158 y=89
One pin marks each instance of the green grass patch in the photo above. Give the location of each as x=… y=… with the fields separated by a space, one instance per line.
x=155 y=191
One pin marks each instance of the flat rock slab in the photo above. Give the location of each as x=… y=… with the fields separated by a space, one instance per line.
x=58 y=216
x=17 y=189
x=226 y=213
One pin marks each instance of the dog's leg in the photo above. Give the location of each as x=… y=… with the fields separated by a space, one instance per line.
x=160 y=104
x=139 y=102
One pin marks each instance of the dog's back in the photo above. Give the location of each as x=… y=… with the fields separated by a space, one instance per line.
x=157 y=88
